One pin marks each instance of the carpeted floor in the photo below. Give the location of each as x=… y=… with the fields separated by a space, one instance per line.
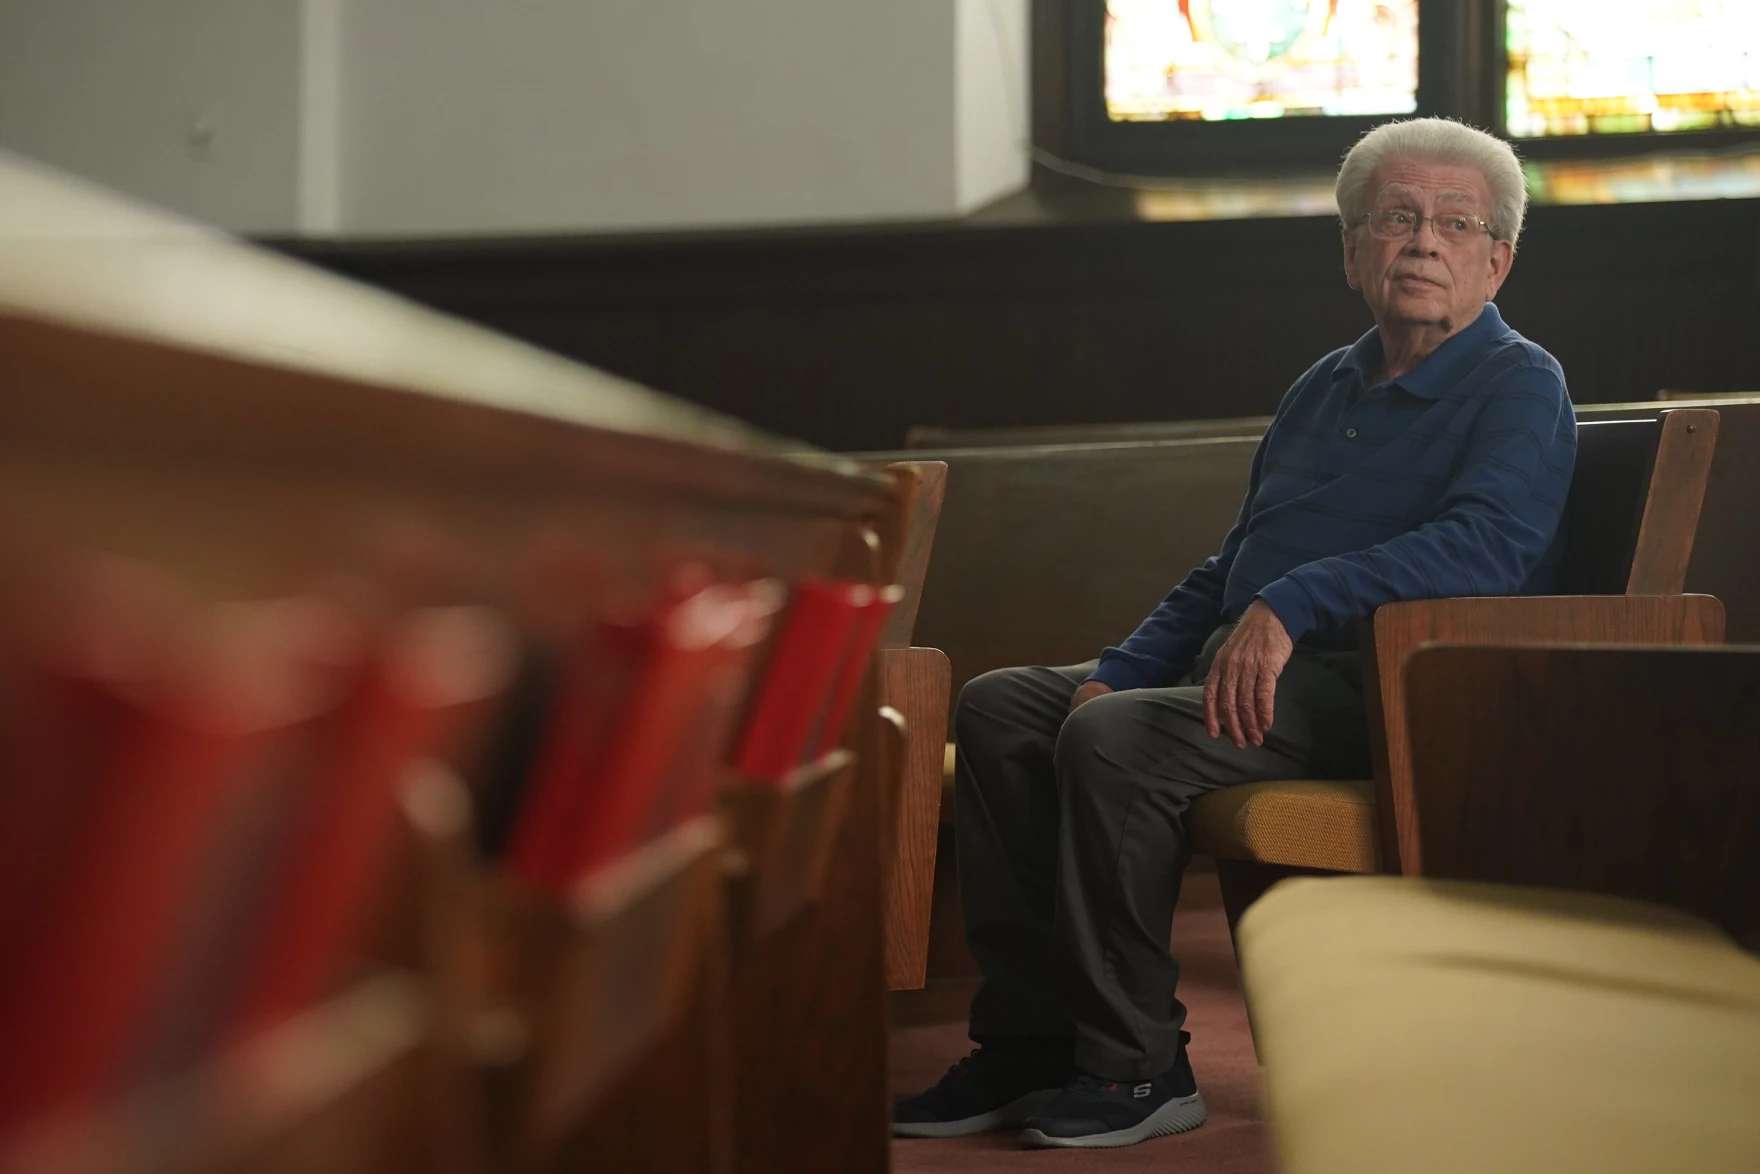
x=1234 y=1141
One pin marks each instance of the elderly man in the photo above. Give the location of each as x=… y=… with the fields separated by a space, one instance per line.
x=1430 y=458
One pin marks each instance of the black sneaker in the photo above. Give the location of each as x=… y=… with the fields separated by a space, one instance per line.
x=1091 y=1113
x=998 y=1086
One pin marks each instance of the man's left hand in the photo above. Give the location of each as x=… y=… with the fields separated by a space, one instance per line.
x=1242 y=684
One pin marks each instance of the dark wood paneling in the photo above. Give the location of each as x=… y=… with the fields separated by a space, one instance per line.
x=846 y=337
x=1398 y=628
x=1622 y=771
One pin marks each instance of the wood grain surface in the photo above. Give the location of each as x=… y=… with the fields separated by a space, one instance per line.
x=1634 y=772
x=914 y=681
x=926 y=488
x=806 y=1010
x=1665 y=541
x=1398 y=628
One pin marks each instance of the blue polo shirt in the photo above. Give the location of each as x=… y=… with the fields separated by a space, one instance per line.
x=1449 y=480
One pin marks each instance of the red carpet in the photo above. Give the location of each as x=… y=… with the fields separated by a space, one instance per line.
x=1234 y=1141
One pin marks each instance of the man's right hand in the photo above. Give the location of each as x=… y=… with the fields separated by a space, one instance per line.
x=1087 y=693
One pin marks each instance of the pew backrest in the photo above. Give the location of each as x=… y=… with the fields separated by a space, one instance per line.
x=924 y=490
x=1047 y=554
x=1624 y=771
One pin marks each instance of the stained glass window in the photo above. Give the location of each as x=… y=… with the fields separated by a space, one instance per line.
x=1620 y=66
x=1222 y=59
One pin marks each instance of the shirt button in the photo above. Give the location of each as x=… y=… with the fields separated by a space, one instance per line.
x=1351 y=432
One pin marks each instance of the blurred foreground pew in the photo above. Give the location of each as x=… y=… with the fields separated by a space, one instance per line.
x=688 y=978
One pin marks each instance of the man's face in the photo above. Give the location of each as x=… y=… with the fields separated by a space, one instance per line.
x=1422 y=279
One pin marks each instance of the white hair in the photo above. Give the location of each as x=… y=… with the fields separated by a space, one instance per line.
x=1436 y=140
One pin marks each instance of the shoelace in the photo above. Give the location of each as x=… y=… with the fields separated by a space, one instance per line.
x=1084 y=1083
x=959 y=1064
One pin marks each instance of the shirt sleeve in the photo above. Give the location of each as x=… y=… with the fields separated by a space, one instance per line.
x=1164 y=645
x=1497 y=518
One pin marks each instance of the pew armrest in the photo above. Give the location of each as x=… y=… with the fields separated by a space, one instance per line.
x=1670 y=521
x=1396 y=629
x=915 y=683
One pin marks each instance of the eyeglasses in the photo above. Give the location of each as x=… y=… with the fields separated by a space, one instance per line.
x=1393 y=224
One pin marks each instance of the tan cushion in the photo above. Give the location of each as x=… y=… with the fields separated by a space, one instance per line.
x=1450 y=1027
x=1313 y=822
x=947 y=784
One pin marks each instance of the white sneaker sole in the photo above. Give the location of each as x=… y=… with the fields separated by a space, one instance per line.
x=1011 y=1116
x=1176 y=1116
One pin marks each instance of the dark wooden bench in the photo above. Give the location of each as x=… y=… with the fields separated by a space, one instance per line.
x=1021 y=577
x=1625 y=771
x=1628 y=534
x=1048 y=553
x=1726 y=562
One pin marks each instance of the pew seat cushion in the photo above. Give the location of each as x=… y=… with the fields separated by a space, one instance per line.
x=1319 y=823
x=1452 y=1026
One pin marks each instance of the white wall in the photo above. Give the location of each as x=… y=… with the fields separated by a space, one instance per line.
x=127 y=92
x=423 y=117
x=992 y=99
x=552 y=114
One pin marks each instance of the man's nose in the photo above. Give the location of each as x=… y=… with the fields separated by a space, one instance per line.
x=1415 y=245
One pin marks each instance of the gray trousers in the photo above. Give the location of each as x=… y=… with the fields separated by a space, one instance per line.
x=1072 y=840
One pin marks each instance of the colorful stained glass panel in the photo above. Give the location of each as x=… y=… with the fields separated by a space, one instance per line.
x=1580 y=67
x=1224 y=59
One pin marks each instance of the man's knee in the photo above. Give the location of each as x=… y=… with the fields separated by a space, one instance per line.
x=1109 y=736
x=987 y=699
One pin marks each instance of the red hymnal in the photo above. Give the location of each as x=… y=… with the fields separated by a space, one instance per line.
x=669 y=694
x=698 y=764
x=596 y=680
x=77 y=642
x=855 y=666
x=78 y=992
x=428 y=664
x=799 y=678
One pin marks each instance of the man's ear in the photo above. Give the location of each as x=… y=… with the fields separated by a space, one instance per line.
x=1503 y=255
x=1350 y=258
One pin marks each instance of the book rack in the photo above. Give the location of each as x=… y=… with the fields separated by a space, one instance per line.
x=269 y=428
x=780 y=838
x=544 y=1001
x=329 y=1089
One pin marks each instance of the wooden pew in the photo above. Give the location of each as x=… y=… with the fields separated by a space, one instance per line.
x=1628 y=534
x=1726 y=564
x=1624 y=771
x=928 y=436
x=1046 y=555
x=1049 y=553
x=250 y=425
x=915 y=684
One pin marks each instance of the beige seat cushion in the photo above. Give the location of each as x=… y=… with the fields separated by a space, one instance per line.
x=1313 y=822
x=1446 y=1027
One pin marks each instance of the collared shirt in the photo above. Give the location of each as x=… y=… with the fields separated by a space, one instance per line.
x=1449 y=480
